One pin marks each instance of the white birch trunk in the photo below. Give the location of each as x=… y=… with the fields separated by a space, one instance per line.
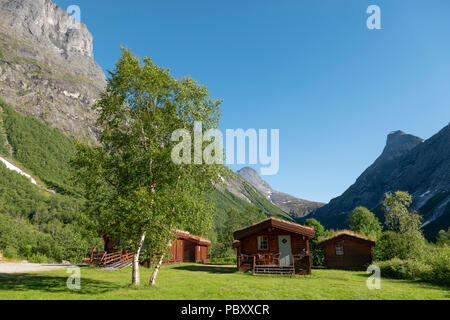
x=136 y=278
x=155 y=271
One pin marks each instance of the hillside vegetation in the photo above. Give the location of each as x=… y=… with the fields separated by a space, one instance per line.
x=44 y=151
x=35 y=224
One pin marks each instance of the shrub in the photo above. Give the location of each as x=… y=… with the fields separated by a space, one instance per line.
x=226 y=260
x=405 y=269
x=10 y=253
x=38 y=258
x=433 y=266
x=317 y=253
x=439 y=259
x=404 y=246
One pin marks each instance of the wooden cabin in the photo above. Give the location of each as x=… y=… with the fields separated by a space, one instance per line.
x=274 y=246
x=189 y=248
x=186 y=248
x=348 y=251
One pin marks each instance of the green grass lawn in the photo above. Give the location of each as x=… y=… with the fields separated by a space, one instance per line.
x=190 y=281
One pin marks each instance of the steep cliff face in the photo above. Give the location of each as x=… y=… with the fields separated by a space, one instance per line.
x=407 y=163
x=47 y=68
x=291 y=205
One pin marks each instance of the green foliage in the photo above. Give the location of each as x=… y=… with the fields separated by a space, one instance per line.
x=443 y=238
x=364 y=222
x=45 y=152
x=433 y=266
x=392 y=245
x=53 y=242
x=319 y=230
x=405 y=239
x=397 y=217
x=223 y=261
x=35 y=224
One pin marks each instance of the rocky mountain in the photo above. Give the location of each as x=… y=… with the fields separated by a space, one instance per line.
x=293 y=206
x=47 y=67
x=408 y=163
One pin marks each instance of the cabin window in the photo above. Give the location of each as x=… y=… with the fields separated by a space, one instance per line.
x=263 y=243
x=339 y=250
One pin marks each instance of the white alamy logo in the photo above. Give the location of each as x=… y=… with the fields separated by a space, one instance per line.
x=74 y=12
x=236 y=139
x=74 y=281
x=374 y=20
x=374 y=280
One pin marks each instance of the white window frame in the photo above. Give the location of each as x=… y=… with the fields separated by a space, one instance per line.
x=340 y=251
x=263 y=240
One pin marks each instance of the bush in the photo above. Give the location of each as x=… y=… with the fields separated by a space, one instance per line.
x=405 y=246
x=227 y=260
x=38 y=258
x=434 y=266
x=405 y=269
x=10 y=253
x=439 y=259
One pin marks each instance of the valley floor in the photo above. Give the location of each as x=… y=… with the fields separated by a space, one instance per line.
x=191 y=281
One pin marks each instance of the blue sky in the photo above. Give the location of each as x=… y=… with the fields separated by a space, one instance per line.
x=309 y=68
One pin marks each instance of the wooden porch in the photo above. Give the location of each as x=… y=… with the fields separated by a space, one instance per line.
x=114 y=260
x=270 y=264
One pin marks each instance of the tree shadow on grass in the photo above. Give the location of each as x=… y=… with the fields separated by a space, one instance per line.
x=52 y=284
x=207 y=268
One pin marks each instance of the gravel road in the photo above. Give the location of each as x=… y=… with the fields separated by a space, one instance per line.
x=7 y=267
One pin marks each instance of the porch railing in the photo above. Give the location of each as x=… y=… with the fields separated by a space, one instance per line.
x=269 y=259
x=103 y=258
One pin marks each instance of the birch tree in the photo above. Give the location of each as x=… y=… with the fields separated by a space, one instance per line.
x=134 y=191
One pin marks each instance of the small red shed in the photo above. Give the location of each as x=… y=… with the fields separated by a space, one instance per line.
x=189 y=248
x=347 y=250
x=186 y=248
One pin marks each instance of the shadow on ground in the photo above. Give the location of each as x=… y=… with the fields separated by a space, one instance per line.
x=52 y=284
x=207 y=268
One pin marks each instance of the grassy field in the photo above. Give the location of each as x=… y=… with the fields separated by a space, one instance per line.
x=190 y=281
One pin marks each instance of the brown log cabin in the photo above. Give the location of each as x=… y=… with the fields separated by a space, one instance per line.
x=274 y=246
x=189 y=248
x=348 y=251
x=186 y=248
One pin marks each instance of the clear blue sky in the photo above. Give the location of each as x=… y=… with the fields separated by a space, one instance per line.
x=309 y=68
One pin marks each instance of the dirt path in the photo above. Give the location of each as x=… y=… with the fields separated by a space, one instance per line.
x=7 y=267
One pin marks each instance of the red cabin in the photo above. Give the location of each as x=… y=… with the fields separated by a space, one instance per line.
x=189 y=248
x=347 y=250
x=274 y=246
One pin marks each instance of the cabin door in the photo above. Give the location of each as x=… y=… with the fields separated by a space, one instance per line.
x=284 y=246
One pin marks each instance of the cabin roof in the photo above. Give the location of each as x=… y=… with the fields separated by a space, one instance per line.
x=345 y=234
x=190 y=237
x=274 y=223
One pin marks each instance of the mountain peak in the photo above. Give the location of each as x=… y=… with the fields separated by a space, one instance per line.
x=47 y=69
x=45 y=23
x=398 y=143
x=252 y=176
x=293 y=206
